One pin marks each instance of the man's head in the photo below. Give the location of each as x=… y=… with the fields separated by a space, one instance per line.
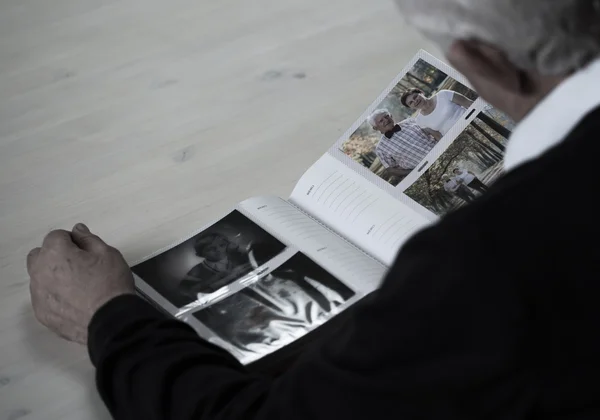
x=514 y=52
x=213 y=247
x=457 y=171
x=445 y=178
x=382 y=121
x=414 y=99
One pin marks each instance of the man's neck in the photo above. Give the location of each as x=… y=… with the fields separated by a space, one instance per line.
x=390 y=133
x=540 y=87
x=563 y=103
x=429 y=106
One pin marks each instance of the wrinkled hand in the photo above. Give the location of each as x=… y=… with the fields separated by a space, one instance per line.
x=72 y=275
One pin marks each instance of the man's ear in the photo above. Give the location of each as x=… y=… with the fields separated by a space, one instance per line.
x=485 y=65
x=495 y=78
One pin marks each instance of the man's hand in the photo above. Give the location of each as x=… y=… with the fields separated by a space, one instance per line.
x=72 y=275
x=397 y=171
x=437 y=136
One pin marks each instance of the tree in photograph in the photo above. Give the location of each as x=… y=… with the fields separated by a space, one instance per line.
x=478 y=149
x=427 y=75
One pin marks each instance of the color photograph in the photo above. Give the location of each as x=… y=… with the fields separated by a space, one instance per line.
x=418 y=112
x=212 y=259
x=470 y=165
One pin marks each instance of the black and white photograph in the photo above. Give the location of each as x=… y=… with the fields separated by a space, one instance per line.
x=278 y=309
x=212 y=259
x=467 y=169
x=417 y=113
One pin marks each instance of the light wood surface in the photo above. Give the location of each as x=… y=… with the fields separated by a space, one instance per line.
x=147 y=119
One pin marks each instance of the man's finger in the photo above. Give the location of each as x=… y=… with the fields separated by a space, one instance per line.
x=32 y=257
x=58 y=239
x=86 y=240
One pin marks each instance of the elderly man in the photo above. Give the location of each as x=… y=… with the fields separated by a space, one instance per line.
x=439 y=340
x=403 y=145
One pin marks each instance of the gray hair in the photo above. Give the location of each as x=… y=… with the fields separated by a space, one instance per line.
x=553 y=37
x=377 y=113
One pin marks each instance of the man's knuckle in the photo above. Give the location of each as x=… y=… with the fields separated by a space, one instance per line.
x=46 y=320
x=97 y=243
x=40 y=314
x=56 y=234
x=37 y=295
x=108 y=250
x=33 y=288
x=115 y=251
x=32 y=254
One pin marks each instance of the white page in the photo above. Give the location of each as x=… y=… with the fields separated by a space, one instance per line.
x=349 y=204
x=349 y=264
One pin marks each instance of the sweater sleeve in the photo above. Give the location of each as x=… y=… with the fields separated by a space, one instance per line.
x=435 y=342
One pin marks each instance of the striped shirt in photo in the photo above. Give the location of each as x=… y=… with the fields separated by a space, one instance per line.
x=406 y=148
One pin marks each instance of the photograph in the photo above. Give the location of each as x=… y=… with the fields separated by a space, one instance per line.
x=216 y=257
x=278 y=309
x=423 y=106
x=470 y=165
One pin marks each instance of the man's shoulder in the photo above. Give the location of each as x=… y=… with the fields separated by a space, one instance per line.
x=412 y=127
x=548 y=193
x=408 y=121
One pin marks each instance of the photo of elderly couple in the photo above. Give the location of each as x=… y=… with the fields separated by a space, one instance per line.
x=423 y=106
x=470 y=165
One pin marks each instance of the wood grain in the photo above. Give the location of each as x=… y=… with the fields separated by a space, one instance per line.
x=147 y=119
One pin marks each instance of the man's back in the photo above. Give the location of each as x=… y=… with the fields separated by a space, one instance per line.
x=489 y=314
x=513 y=285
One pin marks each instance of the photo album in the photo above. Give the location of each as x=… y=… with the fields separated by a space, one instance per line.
x=275 y=274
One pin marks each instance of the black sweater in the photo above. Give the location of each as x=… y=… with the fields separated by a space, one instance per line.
x=492 y=313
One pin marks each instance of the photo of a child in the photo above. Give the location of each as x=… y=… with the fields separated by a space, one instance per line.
x=212 y=259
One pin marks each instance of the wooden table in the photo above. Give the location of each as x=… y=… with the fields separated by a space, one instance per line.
x=146 y=119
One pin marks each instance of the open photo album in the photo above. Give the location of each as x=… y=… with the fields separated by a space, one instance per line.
x=274 y=272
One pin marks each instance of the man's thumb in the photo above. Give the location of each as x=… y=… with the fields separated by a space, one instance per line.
x=86 y=240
